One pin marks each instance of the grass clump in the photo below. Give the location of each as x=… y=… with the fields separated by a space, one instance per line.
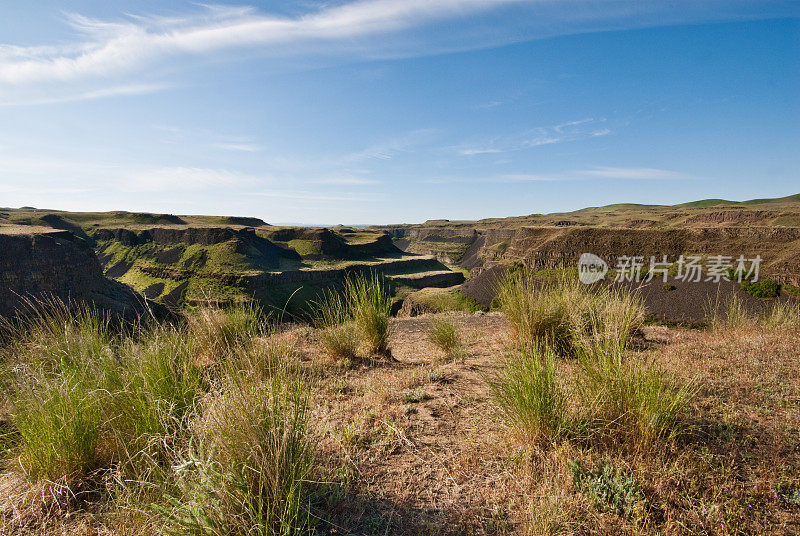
x=528 y=395
x=441 y=300
x=338 y=332
x=616 y=395
x=215 y=447
x=363 y=306
x=214 y=330
x=371 y=305
x=57 y=419
x=248 y=474
x=536 y=311
x=444 y=335
x=416 y=395
x=152 y=388
x=56 y=336
x=567 y=315
x=626 y=397
x=52 y=385
x=784 y=314
x=341 y=340
x=732 y=314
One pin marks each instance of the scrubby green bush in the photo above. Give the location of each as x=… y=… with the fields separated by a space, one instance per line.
x=763 y=288
x=790 y=289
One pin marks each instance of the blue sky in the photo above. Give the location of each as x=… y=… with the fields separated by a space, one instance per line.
x=388 y=111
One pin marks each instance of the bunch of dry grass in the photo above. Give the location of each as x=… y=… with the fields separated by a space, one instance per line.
x=732 y=314
x=87 y=402
x=444 y=335
x=528 y=394
x=361 y=308
x=214 y=330
x=567 y=315
x=783 y=315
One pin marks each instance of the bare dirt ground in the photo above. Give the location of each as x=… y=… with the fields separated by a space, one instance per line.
x=415 y=446
x=417 y=437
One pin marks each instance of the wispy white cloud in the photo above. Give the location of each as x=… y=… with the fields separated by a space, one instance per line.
x=109 y=53
x=634 y=173
x=111 y=48
x=598 y=173
x=388 y=149
x=241 y=147
x=114 y=91
x=560 y=133
x=490 y=104
x=480 y=150
x=306 y=195
x=501 y=178
x=168 y=179
x=345 y=180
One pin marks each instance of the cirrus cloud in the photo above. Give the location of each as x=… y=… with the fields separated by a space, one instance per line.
x=118 y=53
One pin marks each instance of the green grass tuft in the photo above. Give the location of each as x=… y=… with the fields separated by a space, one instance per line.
x=365 y=302
x=568 y=315
x=444 y=335
x=528 y=395
x=611 y=488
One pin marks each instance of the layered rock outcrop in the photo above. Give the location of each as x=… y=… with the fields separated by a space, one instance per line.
x=57 y=264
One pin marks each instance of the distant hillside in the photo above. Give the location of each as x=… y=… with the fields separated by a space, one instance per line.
x=182 y=261
x=766 y=227
x=179 y=260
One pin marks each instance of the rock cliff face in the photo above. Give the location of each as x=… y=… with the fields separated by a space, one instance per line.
x=48 y=264
x=560 y=246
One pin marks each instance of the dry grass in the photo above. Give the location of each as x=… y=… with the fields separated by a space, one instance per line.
x=567 y=315
x=114 y=420
x=444 y=463
x=361 y=307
